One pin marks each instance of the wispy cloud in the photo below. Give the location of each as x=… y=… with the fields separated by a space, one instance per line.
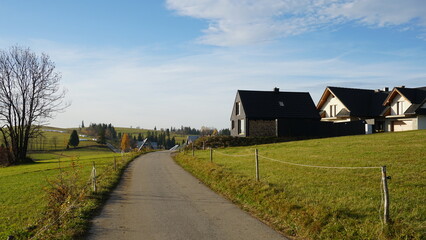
x=132 y=91
x=381 y=13
x=241 y=22
x=133 y=87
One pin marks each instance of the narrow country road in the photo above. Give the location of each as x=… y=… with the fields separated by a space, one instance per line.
x=157 y=199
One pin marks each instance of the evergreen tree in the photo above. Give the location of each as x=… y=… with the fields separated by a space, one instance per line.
x=74 y=139
x=82 y=124
x=102 y=137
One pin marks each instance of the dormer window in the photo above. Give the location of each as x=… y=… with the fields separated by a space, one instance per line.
x=281 y=103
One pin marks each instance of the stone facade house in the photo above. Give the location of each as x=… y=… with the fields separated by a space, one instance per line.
x=341 y=105
x=273 y=113
x=405 y=109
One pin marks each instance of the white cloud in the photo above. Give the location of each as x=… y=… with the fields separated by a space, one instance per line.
x=382 y=13
x=240 y=22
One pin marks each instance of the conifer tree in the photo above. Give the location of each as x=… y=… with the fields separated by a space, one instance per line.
x=74 y=139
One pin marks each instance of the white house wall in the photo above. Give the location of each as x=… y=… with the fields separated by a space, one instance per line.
x=332 y=101
x=404 y=124
x=421 y=122
x=398 y=98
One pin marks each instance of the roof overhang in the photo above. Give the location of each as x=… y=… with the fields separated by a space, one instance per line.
x=325 y=96
x=392 y=95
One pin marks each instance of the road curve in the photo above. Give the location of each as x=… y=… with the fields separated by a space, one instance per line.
x=157 y=199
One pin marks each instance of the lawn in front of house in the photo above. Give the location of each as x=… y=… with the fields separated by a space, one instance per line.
x=318 y=203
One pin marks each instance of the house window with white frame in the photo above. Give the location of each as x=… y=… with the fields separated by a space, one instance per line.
x=333 y=110
x=399 y=108
x=241 y=126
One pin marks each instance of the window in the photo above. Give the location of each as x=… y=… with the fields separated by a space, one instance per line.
x=241 y=128
x=237 y=108
x=399 y=108
x=333 y=110
x=232 y=124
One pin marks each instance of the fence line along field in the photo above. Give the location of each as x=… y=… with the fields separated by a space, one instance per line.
x=317 y=203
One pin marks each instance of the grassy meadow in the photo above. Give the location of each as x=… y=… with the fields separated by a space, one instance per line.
x=318 y=203
x=25 y=189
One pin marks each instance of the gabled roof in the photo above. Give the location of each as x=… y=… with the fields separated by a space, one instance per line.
x=417 y=97
x=359 y=102
x=191 y=139
x=414 y=95
x=276 y=104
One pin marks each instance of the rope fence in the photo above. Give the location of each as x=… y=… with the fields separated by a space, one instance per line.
x=385 y=201
x=313 y=166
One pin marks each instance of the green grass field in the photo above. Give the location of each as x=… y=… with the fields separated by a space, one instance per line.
x=136 y=131
x=23 y=188
x=316 y=203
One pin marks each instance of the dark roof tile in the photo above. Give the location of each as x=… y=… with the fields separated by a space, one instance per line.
x=361 y=102
x=266 y=104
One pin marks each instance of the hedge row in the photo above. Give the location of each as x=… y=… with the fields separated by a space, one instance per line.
x=229 y=141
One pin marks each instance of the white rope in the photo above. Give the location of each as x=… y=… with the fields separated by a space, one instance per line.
x=229 y=155
x=313 y=166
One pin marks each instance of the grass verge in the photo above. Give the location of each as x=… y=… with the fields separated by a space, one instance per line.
x=52 y=198
x=311 y=203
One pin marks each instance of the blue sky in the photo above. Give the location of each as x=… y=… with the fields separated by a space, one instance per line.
x=180 y=62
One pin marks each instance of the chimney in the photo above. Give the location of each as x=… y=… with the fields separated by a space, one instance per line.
x=276 y=90
x=385 y=89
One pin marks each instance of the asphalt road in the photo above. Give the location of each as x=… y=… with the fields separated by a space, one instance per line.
x=157 y=199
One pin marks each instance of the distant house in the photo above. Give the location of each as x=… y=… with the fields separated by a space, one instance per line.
x=340 y=105
x=405 y=109
x=273 y=113
x=146 y=144
x=191 y=139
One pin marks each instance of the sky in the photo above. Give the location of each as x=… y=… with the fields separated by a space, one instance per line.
x=155 y=63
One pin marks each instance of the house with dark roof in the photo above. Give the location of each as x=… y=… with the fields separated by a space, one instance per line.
x=191 y=139
x=338 y=105
x=272 y=113
x=405 y=109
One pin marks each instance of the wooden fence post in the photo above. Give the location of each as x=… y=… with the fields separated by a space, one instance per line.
x=386 y=196
x=256 y=157
x=211 y=154
x=94 y=177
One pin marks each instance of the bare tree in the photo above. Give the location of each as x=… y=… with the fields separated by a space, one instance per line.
x=29 y=95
